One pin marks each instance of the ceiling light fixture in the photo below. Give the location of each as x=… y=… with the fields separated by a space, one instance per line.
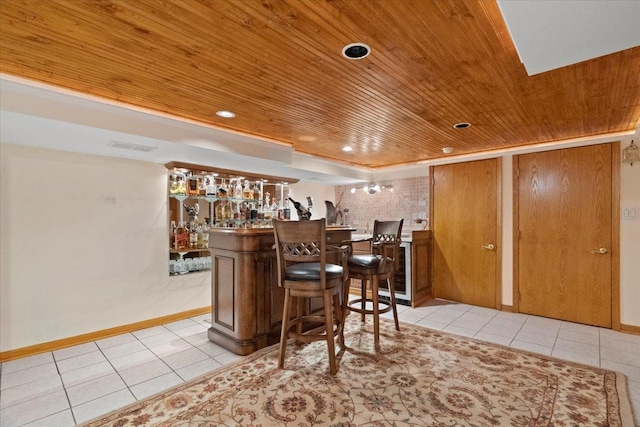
x=447 y=150
x=371 y=188
x=356 y=51
x=461 y=125
x=225 y=114
x=347 y=148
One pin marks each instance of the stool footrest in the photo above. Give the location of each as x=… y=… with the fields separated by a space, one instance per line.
x=351 y=305
x=312 y=334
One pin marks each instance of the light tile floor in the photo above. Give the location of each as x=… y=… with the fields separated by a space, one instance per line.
x=72 y=385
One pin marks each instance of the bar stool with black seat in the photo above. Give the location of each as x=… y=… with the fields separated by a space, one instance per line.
x=379 y=264
x=305 y=272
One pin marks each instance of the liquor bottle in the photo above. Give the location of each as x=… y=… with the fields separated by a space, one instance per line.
x=286 y=210
x=299 y=208
x=193 y=236
x=205 y=235
x=210 y=188
x=246 y=191
x=218 y=212
x=274 y=209
x=172 y=234
x=177 y=185
x=223 y=190
x=237 y=193
x=236 y=213
x=193 y=185
x=256 y=192
x=231 y=190
x=173 y=188
x=227 y=214
x=200 y=236
x=181 y=238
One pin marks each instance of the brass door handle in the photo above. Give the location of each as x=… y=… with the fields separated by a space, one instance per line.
x=489 y=247
x=600 y=251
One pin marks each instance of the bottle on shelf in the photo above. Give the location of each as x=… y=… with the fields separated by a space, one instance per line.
x=227 y=213
x=199 y=236
x=193 y=236
x=181 y=240
x=210 y=186
x=246 y=191
x=256 y=192
x=230 y=190
x=286 y=210
x=218 y=212
x=223 y=190
x=205 y=235
x=274 y=209
x=172 y=234
x=237 y=191
x=193 y=185
x=177 y=187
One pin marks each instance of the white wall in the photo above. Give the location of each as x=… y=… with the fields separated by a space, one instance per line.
x=73 y=262
x=507 y=230
x=84 y=246
x=318 y=192
x=629 y=242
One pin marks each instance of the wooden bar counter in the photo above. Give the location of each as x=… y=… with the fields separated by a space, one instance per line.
x=246 y=301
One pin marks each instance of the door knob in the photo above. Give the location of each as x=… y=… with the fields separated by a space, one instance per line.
x=600 y=251
x=489 y=247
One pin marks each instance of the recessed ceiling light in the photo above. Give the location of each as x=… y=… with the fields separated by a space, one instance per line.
x=347 y=148
x=447 y=150
x=356 y=51
x=225 y=114
x=461 y=125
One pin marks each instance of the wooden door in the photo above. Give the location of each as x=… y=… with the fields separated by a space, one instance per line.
x=564 y=219
x=464 y=223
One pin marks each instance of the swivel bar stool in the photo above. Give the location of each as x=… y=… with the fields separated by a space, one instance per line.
x=380 y=264
x=304 y=271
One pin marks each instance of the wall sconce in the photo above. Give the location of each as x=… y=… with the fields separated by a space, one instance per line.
x=631 y=154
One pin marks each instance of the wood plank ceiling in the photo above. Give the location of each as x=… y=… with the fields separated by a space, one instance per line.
x=277 y=64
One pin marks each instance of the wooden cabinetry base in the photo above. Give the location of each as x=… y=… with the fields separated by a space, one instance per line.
x=246 y=299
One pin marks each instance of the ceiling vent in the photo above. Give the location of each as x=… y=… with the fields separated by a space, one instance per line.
x=131 y=146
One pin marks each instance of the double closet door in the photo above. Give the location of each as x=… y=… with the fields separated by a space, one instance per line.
x=565 y=226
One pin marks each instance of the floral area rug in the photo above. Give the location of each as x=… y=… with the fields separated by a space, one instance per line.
x=418 y=377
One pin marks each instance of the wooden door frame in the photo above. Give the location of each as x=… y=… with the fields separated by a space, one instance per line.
x=615 y=234
x=432 y=221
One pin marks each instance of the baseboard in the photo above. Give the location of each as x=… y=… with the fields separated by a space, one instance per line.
x=630 y=329
x=507 y=308
x=5 y=356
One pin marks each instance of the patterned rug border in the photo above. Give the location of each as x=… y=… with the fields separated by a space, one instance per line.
x=621 y=382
